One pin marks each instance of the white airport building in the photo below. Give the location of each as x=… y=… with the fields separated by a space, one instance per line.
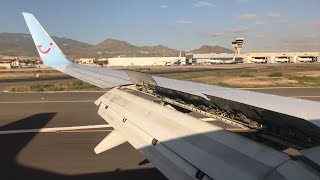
x=146 y=61
x=214 y=58
x=283 y=57
x=217 y=58
x=258 y=58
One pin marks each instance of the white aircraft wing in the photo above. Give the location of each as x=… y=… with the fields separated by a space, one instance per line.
x=184 y=147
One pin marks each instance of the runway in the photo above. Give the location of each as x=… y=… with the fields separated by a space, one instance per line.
x=69 y=154
x=308 y=93
x=64 y=155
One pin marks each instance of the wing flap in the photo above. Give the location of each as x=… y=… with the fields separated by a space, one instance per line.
x=188 y=144
x=167 y=161
x=110 y=141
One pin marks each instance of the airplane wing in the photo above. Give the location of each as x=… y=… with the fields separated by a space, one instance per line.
x=154 y=115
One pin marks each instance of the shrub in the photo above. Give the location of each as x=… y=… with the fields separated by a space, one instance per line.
x=276 y=74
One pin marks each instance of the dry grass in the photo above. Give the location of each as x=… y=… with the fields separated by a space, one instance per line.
x=7 y=75
x=57 y=86
x=274 y=76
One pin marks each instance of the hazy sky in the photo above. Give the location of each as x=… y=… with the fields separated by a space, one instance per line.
x=266 y=25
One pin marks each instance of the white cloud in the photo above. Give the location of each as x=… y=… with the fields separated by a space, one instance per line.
x=281 y=21
x=297 y=24
x=315 y=23
x=217 y=34
x=260 y=23
x=273 y=14
x=205 y=24
x=184 y=22
x=260 y=36
x=241 y=1
x=247 y=16
x=203 y=4
x=311 y=36
x=163 y=6
x=239 y=29
x=300 y=43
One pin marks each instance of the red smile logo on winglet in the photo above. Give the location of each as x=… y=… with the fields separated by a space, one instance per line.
x=42 y=51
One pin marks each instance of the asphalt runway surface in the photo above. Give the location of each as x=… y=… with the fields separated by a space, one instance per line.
x=69 y=154
x=64 y=155
x=308 y=93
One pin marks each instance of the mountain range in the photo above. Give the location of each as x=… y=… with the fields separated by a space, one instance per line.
x=18 y=44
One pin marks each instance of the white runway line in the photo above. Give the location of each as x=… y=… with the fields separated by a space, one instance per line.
x=52 y=92
x=55 y=129
x=28 y=102
x=305 y=96
x=281 y=88
x=207 y=119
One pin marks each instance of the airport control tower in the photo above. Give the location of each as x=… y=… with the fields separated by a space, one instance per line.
x=238 y=44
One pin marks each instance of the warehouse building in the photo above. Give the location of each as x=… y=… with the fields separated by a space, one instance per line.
x=215 y=58
x=146 y=61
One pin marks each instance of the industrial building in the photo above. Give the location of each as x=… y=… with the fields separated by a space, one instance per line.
x=146 y=61
x=214 y=58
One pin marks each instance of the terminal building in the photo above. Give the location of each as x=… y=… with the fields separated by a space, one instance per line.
x=285 y=57
x=258 y=58
x=219 y=58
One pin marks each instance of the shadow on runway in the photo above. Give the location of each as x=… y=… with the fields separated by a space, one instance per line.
x=12 y=144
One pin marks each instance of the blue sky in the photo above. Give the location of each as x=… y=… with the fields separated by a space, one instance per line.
x=266 y=25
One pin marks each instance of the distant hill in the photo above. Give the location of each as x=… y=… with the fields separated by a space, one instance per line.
x=113 y=47
x=72 y=47
x=15 y=44
x=18 y=44
x=211 y=49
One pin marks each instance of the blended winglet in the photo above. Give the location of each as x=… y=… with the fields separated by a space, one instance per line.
x=52 y=56
x=46 y=47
